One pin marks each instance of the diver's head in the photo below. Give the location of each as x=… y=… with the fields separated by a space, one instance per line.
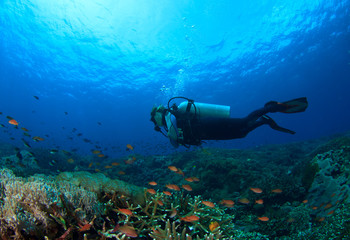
x=157 y=116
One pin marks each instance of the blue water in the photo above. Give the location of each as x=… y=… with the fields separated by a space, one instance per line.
x=106 y=63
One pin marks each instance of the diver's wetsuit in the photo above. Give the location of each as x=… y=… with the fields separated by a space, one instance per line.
x=211 y=128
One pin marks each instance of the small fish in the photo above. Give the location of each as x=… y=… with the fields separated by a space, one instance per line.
x=179 y=171
x=213 y=226
x=9 y=118
x=129 y=231
x=52 y=162
x=277 y=190
x=167 y=193
x=189 y=179
x=108 y=167
x=24 y=129
x=195 y=179
x=66 y=113
x=152 y=183
x=97 y=170
x=227 y=202
x=305 y=201
x=259 y=201
x=129 y=147
x=314 y=208
x=208 y=204
x=173 y=213
x=100 y=155
x=125 y=211
x=329 y=205
x=70 y=160
x=256 y=190
x=37 y=138
x=90 y=165
x=96 y=151
x=173 y=187
x=191 y=218
x=244 y=201
x=151 y=191
x=53 y=151
x=99 y=123
x=330 y=213
x=173 y=168
x=2 y=125
x=187 y=187
x=36 y=97
x=26 y=143
x=115 y=164
x=13 y=122
x=321 y=219
x=121 y=173
x=263 y=219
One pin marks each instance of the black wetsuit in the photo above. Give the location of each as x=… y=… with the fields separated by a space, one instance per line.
x=196 y=130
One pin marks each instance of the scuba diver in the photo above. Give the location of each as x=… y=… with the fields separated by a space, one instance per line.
x=190 y=122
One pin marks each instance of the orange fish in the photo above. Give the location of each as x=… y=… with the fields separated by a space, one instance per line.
x=264 y=219
x=244 y=201
x=96 y=151
x=329 y=205
x=189 y=179
x=213 y=226
x=129 y=231
x=108 y=167
x=160 y=202
x=101 y=155
x=227 y=202
x=97 y=170
x=90 y=164
x=125 y=211
x=167 y=193
x=129 y=147
x=208 y=204
x=179 y=171
x=277 y=190
x=152 y=183
x=191 y=218
x=13 y=122
x=115 y=164
x=121 y=173
x=172 y=168
x=151 y=191
x=305 y=201
x=330 y=213
x=314 y=208
x=195 y=179
x=37 y=138
x=259 y=201
x=173 y=187
x=187 y=187
x=256 y=190
x=24 y=129
x=173 y=213
x=321 y=219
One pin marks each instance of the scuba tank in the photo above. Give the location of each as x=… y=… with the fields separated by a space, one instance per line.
x=201 y=110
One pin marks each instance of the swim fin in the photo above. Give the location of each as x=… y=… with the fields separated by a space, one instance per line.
x=268 y=120
x=295 y=105
x=291 y=106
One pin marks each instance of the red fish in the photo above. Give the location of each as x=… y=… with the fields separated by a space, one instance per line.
x=152 y=183
x=129 y=231
x=125 y=211
x=129 y=147
x=256 y=190
x=264 y=219
x=13 y=122
x=191 y=218
x=277 y=190
x=151 y=191
x=208 y=204
x=187 y=187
